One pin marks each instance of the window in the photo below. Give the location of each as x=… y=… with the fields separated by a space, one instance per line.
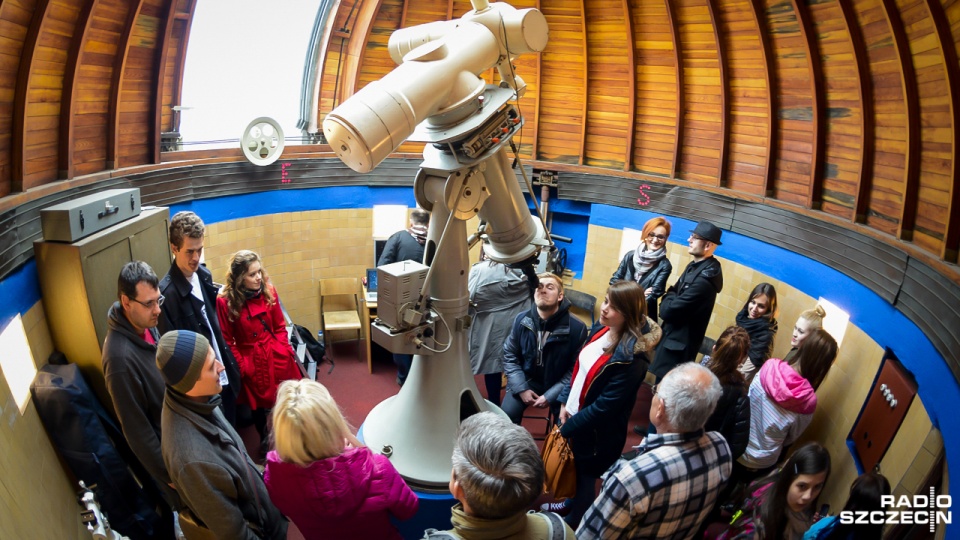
x=16 y=362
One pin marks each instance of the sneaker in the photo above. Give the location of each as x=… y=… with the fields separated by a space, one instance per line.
x=560 y=508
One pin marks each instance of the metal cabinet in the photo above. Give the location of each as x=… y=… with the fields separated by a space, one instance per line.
x=78 y=282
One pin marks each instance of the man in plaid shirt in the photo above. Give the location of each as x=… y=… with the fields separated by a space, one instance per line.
x=668 y=489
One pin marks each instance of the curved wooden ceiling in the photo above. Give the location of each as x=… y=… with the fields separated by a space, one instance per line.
x=849 y=107
x=86 y=85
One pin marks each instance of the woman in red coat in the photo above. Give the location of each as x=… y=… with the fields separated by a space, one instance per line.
x=253 y=327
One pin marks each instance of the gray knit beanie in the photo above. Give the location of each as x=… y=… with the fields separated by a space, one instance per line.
x=180 y=358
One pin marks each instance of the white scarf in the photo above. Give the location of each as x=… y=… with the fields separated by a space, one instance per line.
x=644 y=259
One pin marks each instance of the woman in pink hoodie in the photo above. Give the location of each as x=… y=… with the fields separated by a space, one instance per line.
x=323 y=478
x=782 y=402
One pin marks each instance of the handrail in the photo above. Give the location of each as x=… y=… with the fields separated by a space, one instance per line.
x=312 y=69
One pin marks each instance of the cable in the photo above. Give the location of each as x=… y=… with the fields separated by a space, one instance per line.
x=449 y=333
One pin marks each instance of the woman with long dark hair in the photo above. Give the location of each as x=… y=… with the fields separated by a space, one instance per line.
x=781 y=506
x=648 y=265
x=865 y=496
x=758 y=317
x=596 y=406
x=254 y=328
x=731 y=418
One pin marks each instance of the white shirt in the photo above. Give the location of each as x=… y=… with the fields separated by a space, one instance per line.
x=588 y=357
x=198 y=293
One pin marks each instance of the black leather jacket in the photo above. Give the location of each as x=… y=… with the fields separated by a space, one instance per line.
x=655 y=278
x=731 y=418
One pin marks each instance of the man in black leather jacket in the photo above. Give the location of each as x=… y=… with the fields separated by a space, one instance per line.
x=191 y=301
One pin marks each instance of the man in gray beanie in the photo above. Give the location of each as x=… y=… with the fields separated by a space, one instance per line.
x=206 y=459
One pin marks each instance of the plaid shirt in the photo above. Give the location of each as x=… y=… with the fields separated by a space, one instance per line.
x=665 y=492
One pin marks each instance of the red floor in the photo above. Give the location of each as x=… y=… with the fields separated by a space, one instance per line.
x=357 y=392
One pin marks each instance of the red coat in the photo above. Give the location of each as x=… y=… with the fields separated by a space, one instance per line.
x=265 y=357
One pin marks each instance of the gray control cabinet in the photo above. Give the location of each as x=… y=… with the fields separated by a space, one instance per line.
x=79 y=218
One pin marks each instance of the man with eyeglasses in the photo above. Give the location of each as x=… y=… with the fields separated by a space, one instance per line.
x=688 y=304
x=130 y=369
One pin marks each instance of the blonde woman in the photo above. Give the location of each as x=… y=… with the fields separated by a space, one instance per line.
x=323 y=478
x=808 y=321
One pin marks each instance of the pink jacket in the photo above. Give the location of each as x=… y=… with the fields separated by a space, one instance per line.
x=347 y=496
x=782 y=403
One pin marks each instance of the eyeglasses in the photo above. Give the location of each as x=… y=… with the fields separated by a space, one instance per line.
x=698 y=238
x=655 y=388
x=660 y=237
x=149 y=305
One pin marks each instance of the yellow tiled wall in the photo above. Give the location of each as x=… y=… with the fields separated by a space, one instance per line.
x=37 y=497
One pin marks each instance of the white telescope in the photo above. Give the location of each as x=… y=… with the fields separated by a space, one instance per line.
x=436 y=95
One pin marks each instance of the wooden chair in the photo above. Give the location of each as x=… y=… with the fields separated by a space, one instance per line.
x=335 y=294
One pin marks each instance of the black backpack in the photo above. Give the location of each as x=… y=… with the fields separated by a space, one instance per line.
x=316 y=349
x=93 y=446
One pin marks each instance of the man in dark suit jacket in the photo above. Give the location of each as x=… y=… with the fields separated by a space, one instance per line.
x=191 y=301
x=687 y=305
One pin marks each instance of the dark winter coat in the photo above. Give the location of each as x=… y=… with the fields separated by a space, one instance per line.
x=598 y=431
x=655 y=278
x=762 y=331
x=182 y=311
x=731 y=418
x=258 y=340
x=685 y=310
x=521 y=352
x=351 y=495
x=136 y=390
x=216 y=478
x=401 y=246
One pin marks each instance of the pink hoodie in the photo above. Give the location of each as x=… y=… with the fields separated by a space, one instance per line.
x=786 y=387
x=347 y=496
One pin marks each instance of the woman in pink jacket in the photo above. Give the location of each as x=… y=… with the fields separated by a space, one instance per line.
x=782 y=403
x=323 y=478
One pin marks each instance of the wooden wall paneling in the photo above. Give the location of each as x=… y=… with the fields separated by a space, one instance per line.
x=864 y=176
x=41 y=163
x=449 y=9
x=773 y=101
x=702 y=112
x=948 y=34
x=361 y=27
x=747 y=103
x=91 y=136
x=724 y=95
x=932 y=50
x=908 y=78
x=119 y=66
x=185 y=24
x=161 y=53
x=403 y=14
x=534 y=122
x=527 y=67
x=796 y=101
x=135 y=118
x=840 y=117
x=562 y=83
x=586 y=81
x=608 y=101
x=818 y=104
x=39 y=16
x=15 y=20
x=68 y=102
x=655 y=92
x=680 y=104
x=376 y=61
x=885 y=192
x=631 y=86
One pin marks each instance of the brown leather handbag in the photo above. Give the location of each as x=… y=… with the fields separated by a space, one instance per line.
x=561 y=475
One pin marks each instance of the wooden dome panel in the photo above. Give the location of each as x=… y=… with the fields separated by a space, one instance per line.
x=563 y=84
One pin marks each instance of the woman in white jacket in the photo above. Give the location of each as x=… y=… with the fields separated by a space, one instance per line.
x=782 y=402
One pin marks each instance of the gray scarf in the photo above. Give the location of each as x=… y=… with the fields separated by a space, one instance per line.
x=644 y=259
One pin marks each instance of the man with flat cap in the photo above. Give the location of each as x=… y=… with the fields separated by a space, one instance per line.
x=687 y=305
x=215 y=478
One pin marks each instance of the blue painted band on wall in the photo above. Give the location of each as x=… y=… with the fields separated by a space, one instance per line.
x=20 y=291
